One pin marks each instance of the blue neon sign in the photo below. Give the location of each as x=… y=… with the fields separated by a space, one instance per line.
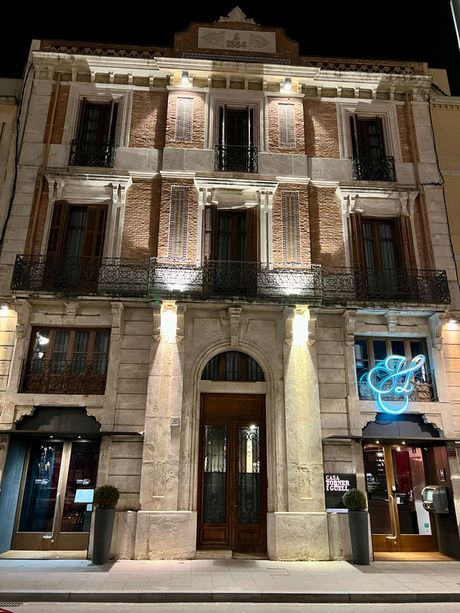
x=391 y=378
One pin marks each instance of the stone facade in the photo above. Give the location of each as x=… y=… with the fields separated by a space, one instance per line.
x=169 y=249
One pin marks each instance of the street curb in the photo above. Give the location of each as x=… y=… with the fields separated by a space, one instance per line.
x=127 y=596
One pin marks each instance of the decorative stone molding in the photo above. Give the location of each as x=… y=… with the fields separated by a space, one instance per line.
x=312 y=318
x=236 y=15
x=21 y=411
x=391 y=318
x=349 y=325
x=157 y=322
x=180 y=326
x=23 y=311
x=96 y=412
x=435 y=419
x=288 y=315
x=234 y=316
x=117 y=320
x=70 y=316
x=436 y=322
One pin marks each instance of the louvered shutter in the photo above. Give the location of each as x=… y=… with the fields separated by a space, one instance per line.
x=356 y=236
x=58 y=228
x=209 y=232
x=286 y=123
x=178 y=222
x=94 y=231
x=290 y=220
x=407 y=242
x=184 y=120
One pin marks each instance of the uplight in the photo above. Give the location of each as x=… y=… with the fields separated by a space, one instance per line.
x=299 y=329
x=168 y=323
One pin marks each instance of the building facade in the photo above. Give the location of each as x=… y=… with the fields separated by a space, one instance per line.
x=212 y=250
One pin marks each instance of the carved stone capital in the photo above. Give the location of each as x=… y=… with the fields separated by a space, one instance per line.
x=117 y=320
x=180 y=327
x=436 y=322
x=349 y=324
x=234 y=317
x=23 y=311
x=70 y=314
x=157 y=322
x=313 y=314
x=288 y=315
x=391 y=319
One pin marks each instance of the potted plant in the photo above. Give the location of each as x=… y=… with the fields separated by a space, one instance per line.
x=105 y=500
x=355 y=502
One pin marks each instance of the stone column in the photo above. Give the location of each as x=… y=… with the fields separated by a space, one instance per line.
x=162 y=531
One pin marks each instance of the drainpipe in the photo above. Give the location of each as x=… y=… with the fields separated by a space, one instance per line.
x=41 y=170
x=422 y=198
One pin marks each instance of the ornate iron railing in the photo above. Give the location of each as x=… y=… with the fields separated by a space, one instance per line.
x=344 y=285
x=84 y=153
x=81 y=275
x=235 y=158
x=232 y=279
x=374 y=169
x=424 y=390
x=58 y=376
x=227 y=279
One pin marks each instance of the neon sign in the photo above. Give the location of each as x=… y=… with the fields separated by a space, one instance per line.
x=391 y=378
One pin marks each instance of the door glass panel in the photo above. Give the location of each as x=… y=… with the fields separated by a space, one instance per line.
x=249 y=475
x=215 y=475
x=81 y=481
x=377 y=492
x=409 y=481
x=41 y=486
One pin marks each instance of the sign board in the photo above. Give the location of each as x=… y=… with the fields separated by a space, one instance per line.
x=335 y=486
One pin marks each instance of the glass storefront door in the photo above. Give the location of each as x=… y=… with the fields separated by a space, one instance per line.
x=54 y=511
x=395 y=477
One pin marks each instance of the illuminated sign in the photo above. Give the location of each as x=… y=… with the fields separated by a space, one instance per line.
x=391 y=380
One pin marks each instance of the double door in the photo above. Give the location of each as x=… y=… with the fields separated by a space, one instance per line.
x=54 y=506
x=395 y=477
x=233 y=485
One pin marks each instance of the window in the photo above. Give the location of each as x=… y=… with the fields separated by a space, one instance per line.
x=63 y=360
x=95 y=141
x=232 y=366
x=370 y=162
x=370 y=351
x=235 y=150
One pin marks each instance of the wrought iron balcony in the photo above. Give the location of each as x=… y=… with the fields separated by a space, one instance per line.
x=84 y=153
x=232 y=279
x=235 y=158
x=80 y=275
x=424 y=390
x=58 y=376
x=345 y=285
x=374 y=169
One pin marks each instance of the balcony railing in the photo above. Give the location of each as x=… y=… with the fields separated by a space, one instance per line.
x=374 y=169
x=58 y=376
x=424 y=390
x=83 y=153
x=227 y=279
x=235 y=158
x=344 y=285
x=81 y=275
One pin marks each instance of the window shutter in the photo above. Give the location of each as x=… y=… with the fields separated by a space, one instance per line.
x=286 y=125
x=251 y=234
x=94 y=231
x=209 y=225
x=184 y=120
x=57 y=230
x=356 y=236
x=354 y=135
x=407 y=242
x=178 y=222
x=291 y=227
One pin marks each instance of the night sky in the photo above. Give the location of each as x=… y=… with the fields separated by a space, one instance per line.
x=420 y=30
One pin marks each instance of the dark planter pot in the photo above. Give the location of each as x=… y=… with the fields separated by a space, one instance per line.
x=103 y=528
x=359 y=533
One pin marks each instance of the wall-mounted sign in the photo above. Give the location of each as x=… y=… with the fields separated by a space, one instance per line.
x=335 y=486
x=391 y=380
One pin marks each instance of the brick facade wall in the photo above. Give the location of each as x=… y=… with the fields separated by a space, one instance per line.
x=198 y=121
x=57 y=129
x=140 y=229
x=326 y=228
x=404 y=134
x=148 y=119
x=273 y=126
x=420 y=234
x=305 y=252
x=321 y=130
x=192 y=221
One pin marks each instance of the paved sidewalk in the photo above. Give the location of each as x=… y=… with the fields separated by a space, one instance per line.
x=227 y=581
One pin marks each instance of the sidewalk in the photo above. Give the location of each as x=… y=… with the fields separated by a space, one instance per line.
x=228 y=581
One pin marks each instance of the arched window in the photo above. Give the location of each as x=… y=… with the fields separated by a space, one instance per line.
x=232 y=366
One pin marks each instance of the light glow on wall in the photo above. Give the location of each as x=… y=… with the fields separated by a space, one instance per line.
x=299 y=328
x=391 y=378
x=168 y=322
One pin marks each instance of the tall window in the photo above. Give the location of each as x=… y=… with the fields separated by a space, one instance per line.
x=370 y=351
x=235 y=150
x=370 y=160
x=95 y=140
x=71 y=360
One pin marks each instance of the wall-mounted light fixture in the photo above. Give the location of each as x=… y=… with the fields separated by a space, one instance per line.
x=185 y=79
x=287 y=85
x=168 y=323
